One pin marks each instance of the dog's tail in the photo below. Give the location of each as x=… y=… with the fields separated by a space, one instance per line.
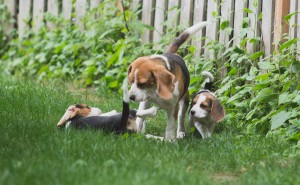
x=126 y=109
x=173 y=48
x=209 y=80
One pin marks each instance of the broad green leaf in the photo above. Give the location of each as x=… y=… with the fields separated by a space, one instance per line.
x=264 y=94
x=287 y=44
x=113 y=84
x=256 y=55
x=278 y=119
x=297 y=99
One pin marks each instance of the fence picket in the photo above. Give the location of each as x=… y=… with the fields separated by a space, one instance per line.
x=282 y=8
x=52 y=8
x=292 y=25
x=172 y=16
x=11 y=6
x=38 y=14
x=134 y=5
x=67 y=9
x=199 y=14
x=226 y=14
x=267 y=25
x=185 y=13
x=24 y=16
x=94 y=4
x=158 y=21
x=211 y=30
x=254 y=30
x=80 y=11
x=146 y=18
x=238 y=21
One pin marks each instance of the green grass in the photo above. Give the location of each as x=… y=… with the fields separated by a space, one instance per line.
x=34 y=151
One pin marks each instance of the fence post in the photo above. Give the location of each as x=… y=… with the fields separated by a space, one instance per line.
x=24 y=16
x=199 y=14
x=282 y=8
x=158 y=21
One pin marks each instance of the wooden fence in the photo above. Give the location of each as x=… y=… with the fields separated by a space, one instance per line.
x=265 y=18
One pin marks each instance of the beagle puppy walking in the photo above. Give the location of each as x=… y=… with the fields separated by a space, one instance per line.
x=206 y=111
x=164 y=80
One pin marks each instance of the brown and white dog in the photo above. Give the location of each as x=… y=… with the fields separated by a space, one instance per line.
x=83 y=116
x=206 y=111
x=164 y=80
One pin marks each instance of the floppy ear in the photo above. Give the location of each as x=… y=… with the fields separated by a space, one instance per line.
x=217 y=111
x=165 y=82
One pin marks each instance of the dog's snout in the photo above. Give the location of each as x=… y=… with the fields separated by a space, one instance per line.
x=193 y=112
x=132 y=97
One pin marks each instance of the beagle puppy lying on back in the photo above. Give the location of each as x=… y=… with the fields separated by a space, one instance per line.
x=83 y=116
x=164 y=80
x=206 y=111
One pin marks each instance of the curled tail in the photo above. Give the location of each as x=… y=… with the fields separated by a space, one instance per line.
x=173 y=48
x=208 y=81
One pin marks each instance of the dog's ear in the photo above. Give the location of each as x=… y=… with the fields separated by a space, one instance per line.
x=165 y=82
x=130 y=76
x=217 y=111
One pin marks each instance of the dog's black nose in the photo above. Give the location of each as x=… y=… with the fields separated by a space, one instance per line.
x=132 y=97
x=193 y=112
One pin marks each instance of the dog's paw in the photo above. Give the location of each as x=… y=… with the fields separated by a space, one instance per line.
x=180 y=135
x=170 y=136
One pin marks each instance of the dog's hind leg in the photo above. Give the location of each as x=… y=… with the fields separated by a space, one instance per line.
x=183 y=106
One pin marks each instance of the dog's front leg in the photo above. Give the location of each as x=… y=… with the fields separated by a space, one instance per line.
x=170 y=130
x=203 y=129
x=141 y=122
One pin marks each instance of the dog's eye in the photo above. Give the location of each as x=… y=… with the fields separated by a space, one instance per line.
x=203 y=106
x=141 y=84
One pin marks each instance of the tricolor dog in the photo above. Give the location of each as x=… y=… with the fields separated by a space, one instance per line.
x=206 y=111
x=164 y=80
x=83 y=116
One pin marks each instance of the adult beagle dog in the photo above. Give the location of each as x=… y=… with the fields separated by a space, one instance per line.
x=206 y=111
x=83 y=116
x=164 y=80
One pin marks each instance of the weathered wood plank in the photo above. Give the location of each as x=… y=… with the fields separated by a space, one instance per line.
x=292 y=25
x=38 y=14
x=172 y=16
x=67 y=9
x=298 y=31
x=238 y=21
x=254 y=31
x=52 y=8
x=199 y=14
x=135 y=4
x=11 y=6
x=267 y=25
x=146 y=18
x=158 y=21
x=282 y=8
x=211 y=30
x=24 y=16
x=80 y=12
x=94 y=4
x=227 y=15
x=185 y=13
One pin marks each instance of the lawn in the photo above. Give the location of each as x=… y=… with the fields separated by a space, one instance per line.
x=34 y=151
